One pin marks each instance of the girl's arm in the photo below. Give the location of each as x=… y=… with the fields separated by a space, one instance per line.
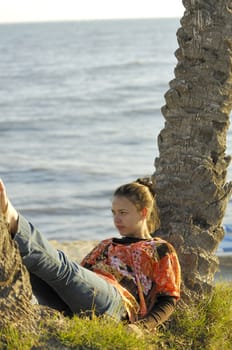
x=160 y=312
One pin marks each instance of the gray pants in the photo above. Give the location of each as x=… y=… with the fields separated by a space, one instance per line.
x=79 y=288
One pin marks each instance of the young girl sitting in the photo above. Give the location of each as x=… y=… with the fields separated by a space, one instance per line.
x=134 y=278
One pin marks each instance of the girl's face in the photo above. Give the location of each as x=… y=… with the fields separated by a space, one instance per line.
x=127 y=219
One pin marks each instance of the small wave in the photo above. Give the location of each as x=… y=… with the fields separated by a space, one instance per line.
x=47 y=211
x=120 y=66
x=142 y=111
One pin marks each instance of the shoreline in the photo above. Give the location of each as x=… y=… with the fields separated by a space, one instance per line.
x=76 y=250
x=225 y=268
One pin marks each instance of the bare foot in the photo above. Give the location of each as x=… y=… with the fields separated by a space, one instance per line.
x=7 y=209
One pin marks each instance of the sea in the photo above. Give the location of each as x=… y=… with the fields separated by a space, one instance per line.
x=80 y=113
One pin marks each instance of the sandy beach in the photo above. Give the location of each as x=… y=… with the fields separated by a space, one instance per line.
x=76 y=250
x=225 y=268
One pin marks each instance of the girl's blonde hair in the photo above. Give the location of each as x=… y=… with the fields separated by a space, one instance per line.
x=141 y=194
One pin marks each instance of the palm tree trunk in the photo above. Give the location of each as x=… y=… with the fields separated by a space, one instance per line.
x=190 y=175
x=15 y=289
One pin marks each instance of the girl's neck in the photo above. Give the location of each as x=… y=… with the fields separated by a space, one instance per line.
x=145 y=236
x=144 y=233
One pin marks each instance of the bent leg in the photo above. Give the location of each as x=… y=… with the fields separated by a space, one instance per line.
x=81 y=289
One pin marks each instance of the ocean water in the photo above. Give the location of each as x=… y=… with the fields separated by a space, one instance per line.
x=80 y=115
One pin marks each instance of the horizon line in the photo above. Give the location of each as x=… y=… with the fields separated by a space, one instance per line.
x=85 y=20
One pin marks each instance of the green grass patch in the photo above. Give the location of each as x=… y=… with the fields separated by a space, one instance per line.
x=205 y=326
x=99 y=334
x=11 y=339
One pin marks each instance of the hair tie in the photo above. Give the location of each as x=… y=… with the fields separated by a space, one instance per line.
x=147 y=181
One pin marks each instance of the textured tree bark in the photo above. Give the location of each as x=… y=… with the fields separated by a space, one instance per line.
x=16 y=308
x=191 y=169
x=15 y=289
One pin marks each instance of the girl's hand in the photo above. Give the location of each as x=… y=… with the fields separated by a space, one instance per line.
x=132 y=328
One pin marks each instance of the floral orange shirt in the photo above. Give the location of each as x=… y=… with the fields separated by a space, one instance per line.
x=140 y=269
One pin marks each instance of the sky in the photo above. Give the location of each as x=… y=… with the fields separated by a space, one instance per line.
x=55 y=10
